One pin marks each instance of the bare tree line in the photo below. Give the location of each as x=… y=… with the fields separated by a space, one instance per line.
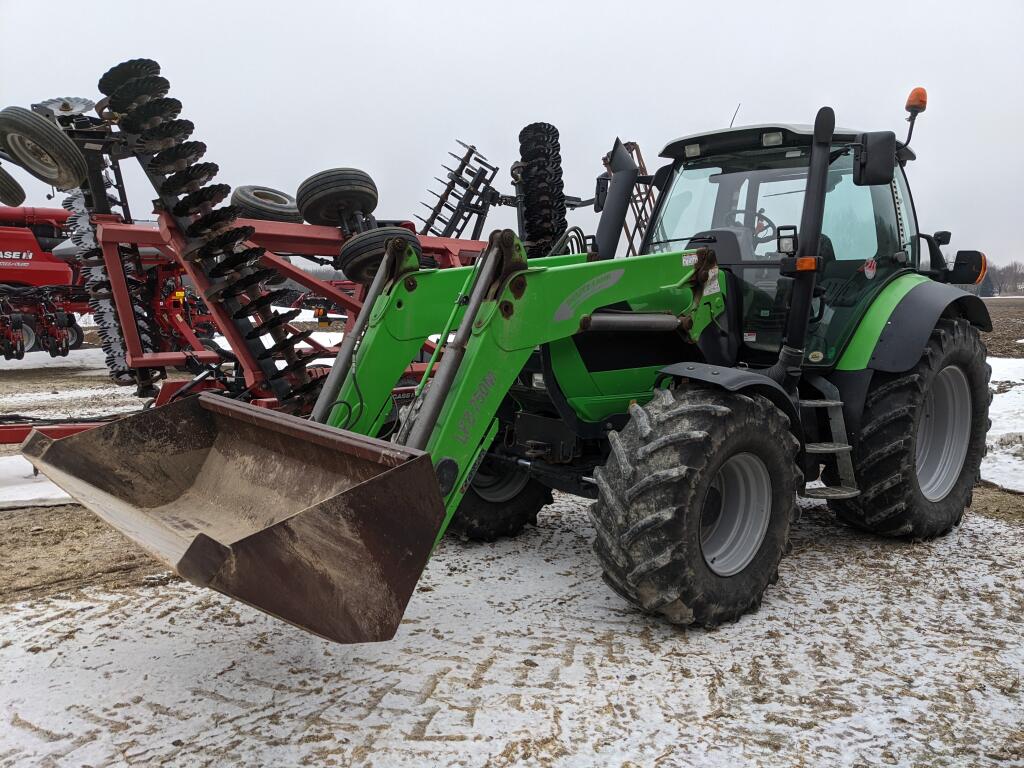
x=1005 y=280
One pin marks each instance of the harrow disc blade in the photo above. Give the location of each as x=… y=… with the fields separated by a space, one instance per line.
x=323 y=528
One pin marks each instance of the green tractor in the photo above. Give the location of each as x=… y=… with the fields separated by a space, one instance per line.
x=785 y=323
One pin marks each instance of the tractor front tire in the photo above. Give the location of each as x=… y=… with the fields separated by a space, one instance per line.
x=922 y=439
x=498 y=503
x=695 y=504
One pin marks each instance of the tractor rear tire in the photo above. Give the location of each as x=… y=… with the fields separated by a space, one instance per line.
x=11 y=192
x=922 y=439
x=361 y=255
x=41 y=148
x=499 y=504
x=331 y=196
x=695 y=504
x=266 y=204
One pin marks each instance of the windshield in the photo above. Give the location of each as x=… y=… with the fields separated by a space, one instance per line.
x=752 y=193
x=744 y=197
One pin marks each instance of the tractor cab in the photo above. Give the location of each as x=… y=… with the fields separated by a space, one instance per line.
x=733 y=190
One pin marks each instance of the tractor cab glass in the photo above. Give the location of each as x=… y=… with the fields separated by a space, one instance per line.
x=734 y=204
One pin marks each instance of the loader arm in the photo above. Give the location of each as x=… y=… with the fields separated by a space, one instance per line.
x=544 y=301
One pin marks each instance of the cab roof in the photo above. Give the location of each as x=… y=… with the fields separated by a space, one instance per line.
x=750 y=137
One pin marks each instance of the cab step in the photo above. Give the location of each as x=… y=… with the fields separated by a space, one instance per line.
x=829 y=448
x=830 y=492
x=839 y=446
x=821 y=403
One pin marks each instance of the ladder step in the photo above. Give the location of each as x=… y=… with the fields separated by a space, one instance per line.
x=821 y=403
x=827 y=447
x=830 y=492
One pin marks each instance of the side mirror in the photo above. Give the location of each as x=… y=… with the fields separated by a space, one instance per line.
x=874 y=159
x=942 y=237
x=601 y=191
x=968 y=269
x=662 y=175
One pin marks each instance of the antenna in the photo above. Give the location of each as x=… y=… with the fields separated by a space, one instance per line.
x=740 y=104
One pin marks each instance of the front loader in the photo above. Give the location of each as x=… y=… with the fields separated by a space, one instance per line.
x=692 y=391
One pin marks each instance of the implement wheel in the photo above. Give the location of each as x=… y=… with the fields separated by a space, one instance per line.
x=923 y=439
x=501 y=501
x=361 y=256
x=695 y=504
x=76 y=336
x=256 y=202
x=41 y=148
x=329 y=197
x=11 y=192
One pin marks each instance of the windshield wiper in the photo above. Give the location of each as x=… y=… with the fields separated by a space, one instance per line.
x=704 y=239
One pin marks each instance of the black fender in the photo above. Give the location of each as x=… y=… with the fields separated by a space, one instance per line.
x=910 y=325
x=739 y=380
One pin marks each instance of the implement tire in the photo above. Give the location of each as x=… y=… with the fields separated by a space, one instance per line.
x=361 y=255
x=695 y=504
x=257 y=202
x=41 y=148
x=500 y=502
x=329 y=197
x=11 y=192
x=918 y=456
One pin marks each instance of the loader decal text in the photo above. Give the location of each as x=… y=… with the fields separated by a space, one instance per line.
x=469 y=416
x=16 y=255
x=567 y=309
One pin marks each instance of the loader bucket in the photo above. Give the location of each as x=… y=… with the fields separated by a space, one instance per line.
x=324 y=528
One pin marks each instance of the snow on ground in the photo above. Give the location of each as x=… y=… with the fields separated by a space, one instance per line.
x=20 y=487
x=867 y=652
x=89 y=360
x=1004 y=464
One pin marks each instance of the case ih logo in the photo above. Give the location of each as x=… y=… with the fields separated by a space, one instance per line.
x=15 y=255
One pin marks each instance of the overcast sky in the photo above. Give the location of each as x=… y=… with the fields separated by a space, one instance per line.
x=279 y=90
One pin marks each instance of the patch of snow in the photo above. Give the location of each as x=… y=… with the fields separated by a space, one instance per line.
x=19 y=487
x=90 y=360
x=867 y=652
x=1004 y=464
x=304 y=316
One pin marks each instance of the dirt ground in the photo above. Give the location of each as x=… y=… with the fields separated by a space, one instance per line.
x=1007 y=327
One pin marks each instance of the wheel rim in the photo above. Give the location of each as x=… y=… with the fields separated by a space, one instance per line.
x=270 y=197
x=28 y=337
x=735 y=514
x=499 y=487
x=943 y=433
x=33 y=157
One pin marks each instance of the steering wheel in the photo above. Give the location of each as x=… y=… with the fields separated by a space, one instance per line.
x=764 y=228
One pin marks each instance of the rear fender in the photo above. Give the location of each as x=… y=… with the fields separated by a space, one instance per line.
x=891 y=338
